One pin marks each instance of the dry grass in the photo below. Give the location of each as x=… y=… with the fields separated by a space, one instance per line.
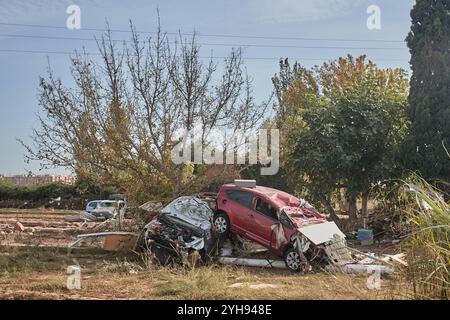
x=38 y=273
x=429 y=243
x=31 y=272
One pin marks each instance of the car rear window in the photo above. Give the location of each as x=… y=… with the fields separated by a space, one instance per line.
x=241 y=197
x=106 y=204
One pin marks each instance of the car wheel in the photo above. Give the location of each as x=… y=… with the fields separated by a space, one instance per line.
x=222 y=224
x=292 y=259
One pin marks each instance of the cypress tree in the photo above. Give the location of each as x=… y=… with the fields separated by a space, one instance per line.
x=429 y=99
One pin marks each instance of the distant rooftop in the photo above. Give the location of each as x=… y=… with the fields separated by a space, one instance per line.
x=39 y=179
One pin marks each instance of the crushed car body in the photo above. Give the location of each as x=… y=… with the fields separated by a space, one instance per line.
x=181 y=227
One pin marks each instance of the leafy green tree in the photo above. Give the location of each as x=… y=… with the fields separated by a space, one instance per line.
x=301 y=85
x=429 y=99
x=345 y=132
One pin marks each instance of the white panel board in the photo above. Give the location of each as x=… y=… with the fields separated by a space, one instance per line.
x=321 y=232
x=245 y=183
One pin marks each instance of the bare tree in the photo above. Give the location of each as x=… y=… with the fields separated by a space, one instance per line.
x=120 y=120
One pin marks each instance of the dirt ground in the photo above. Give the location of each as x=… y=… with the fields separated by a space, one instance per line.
x=34 y=262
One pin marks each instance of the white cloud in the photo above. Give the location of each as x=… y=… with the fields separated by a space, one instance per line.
x=302 y=10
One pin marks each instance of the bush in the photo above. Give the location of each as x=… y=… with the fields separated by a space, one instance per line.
x=9 y=191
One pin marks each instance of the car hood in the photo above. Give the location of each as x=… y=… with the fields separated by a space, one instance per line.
x=191 y=211
x=303 y=215
x=320 y=233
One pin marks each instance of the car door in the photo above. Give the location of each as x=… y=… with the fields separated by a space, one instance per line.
x=238 y=206
x=263 y=216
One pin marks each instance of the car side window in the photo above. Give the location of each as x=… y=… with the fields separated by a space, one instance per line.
x=241 y=197
x=285 y=221
x=266 y=209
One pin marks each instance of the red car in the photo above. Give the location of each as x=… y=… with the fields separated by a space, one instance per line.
x=271 y=218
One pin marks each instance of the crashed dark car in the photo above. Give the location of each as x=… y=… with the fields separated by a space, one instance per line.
x=180 y=228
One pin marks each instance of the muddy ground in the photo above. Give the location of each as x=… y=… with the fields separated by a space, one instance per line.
x=34 y=261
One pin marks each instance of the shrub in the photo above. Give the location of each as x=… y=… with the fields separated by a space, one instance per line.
x=9 y=191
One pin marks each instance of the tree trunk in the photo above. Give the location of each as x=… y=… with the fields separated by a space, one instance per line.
x=364 y=211
x=329 y=208
x=352 y=210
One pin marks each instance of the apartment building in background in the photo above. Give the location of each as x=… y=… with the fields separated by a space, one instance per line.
x=24 y=180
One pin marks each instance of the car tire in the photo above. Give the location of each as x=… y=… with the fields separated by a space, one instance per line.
x=292 y=260
x=222 y=224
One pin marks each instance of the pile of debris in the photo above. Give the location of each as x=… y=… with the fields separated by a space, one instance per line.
x=181 y=227
x=116 y=232
x=84 y=217
x=185 y=226
x=194 y=226
x=389 y=228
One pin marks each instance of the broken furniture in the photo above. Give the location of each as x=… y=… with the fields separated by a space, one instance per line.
x=117 y=240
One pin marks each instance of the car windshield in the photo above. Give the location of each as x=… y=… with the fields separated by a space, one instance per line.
x=92 y=205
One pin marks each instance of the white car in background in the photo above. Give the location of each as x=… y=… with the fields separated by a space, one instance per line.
x=106 y=208
x=92 y=205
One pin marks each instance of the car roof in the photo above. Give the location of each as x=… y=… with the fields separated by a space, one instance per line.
x=280 y=198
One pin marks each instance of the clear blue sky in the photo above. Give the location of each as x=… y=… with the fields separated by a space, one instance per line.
x=319 y=19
